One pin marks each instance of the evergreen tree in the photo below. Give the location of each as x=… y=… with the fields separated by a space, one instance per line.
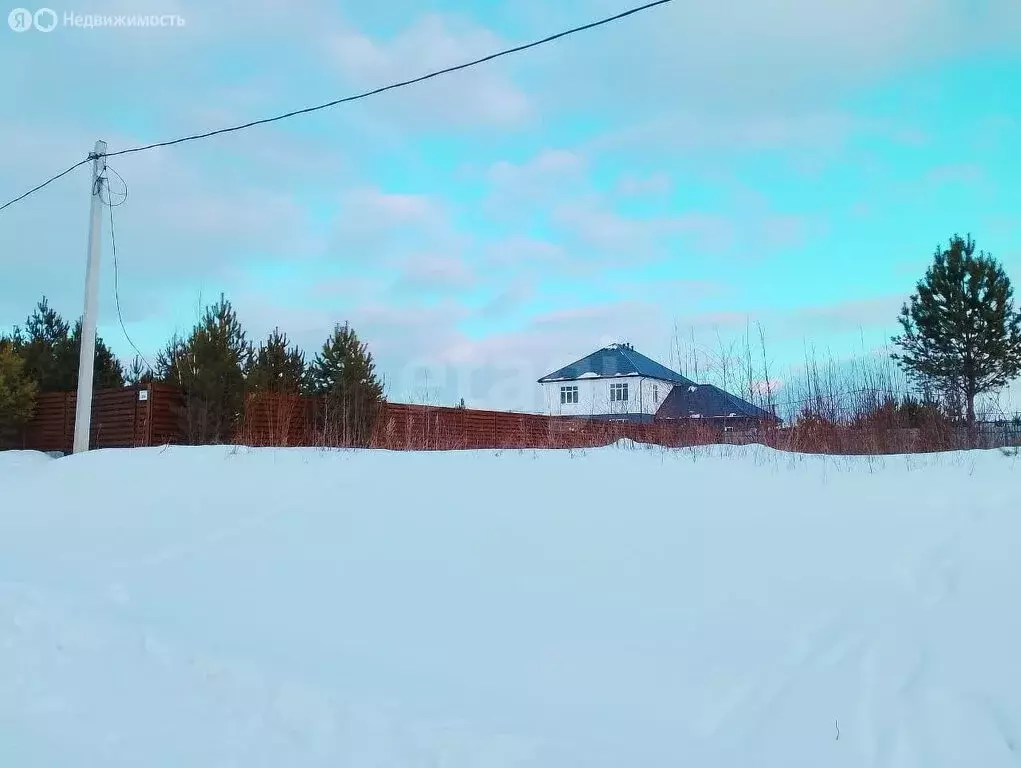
x=107 y=372
x=208 y=367
x=276 y=366
x=138 y=373
x=43 y=345
x=961 y=333
x=343 y=375
x=51 y=348
x=17 y=391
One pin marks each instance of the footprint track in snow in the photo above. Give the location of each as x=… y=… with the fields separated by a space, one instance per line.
x=825 y=644
x=893 y=673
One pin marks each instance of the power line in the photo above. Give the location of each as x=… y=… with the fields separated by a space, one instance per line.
x=116 y=271
x=364 y=95
x=401 y=84
x=48 y=181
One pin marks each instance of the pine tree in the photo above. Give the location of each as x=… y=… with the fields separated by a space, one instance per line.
x=208 y=367
x=138 y=373
x=276 y=366
x=343 y=375
x=43 y=345
x=107 y=372
x=17 y=392
x=51 y=349
x=961 y=333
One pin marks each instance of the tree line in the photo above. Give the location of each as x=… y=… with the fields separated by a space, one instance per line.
x=960 y=338
x=215 y=367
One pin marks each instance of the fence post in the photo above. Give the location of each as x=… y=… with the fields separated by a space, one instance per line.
x=66 y=437
x=151 y=394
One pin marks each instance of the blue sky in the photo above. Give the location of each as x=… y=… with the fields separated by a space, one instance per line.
x=787 y=163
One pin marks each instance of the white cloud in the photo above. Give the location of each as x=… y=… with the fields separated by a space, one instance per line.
x=672 y=132
x=384 y=229
x=435 y=272
x=807 y=322
x=633 y=185
x=509 y=298
x=374 y=209
x=549 y=164
x=432 y=42
x=617 y=239
x=760 y=54
x=525 y=254
x=597 y=225
x=185 y=220
x=551 y=175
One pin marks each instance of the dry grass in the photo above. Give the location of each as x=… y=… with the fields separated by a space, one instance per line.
x=290 y=421
x=859 y=407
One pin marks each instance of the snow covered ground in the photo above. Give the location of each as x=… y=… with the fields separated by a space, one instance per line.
x=627 y=608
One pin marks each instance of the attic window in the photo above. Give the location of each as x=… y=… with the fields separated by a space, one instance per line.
x=618 y=393
x=655 y=393
x=568 y=395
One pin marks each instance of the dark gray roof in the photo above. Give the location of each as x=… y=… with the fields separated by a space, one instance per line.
x=615 y=360
x=706 y=401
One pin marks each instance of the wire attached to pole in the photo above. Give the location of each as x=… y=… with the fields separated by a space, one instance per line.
x=358 y=96
x=116 y=268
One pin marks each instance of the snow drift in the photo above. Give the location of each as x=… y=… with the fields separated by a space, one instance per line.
x=210 y=606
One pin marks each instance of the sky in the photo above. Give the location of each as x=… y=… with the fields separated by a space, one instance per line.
x=671 y=180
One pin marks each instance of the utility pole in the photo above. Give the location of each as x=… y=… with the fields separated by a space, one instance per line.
x=87 y=358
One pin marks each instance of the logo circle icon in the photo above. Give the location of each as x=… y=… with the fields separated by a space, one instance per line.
x=20 y=20
x=45 y=19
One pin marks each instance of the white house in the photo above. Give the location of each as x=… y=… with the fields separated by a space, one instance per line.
x=615 y=382
x=618 y=383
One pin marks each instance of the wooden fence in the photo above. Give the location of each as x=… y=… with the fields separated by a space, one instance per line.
x=153 y=415
x=124 y=417
x=288 y=420
x=272 y=420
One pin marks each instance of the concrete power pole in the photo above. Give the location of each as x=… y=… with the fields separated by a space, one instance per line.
x=87 y=359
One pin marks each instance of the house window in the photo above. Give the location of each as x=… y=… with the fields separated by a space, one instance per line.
x=568 y=395
x=618 y=393
x=655 y=393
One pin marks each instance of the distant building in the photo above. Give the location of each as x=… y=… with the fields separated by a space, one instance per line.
x=619 y=383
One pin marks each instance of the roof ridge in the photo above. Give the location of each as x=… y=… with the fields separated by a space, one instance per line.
x=740 y=401
x=573 y=362
x=624 y=351
x=627 y=364
x=656 y=362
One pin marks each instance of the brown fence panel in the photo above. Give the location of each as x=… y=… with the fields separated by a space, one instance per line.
x=47 y=429
x=276 y=420
x=289 y=420
x=122 y=417
x=112 y=424
x=165 y=415
x=418 y=427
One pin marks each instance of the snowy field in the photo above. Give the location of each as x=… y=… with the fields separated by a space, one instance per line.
x=626 y=608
